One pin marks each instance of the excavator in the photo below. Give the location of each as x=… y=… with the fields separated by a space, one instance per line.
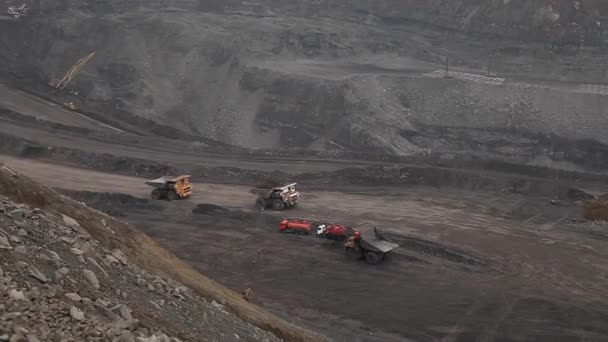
x=18 y=12
x=71 y=73
x=62 y=83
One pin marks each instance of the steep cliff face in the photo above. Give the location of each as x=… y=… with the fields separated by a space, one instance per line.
x=269 y=73
x=507 y=18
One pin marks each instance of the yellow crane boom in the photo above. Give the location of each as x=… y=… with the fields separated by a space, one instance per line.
x=71 y=73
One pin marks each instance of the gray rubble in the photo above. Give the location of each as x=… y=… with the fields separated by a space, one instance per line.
x=49 y=291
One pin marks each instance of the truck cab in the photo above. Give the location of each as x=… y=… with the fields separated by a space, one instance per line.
x=332 y=231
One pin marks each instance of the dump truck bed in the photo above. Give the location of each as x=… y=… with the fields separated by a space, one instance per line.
x=371 y=240
x=160 y=182
x=261 y=192
x=267 y=191
x=280 y=188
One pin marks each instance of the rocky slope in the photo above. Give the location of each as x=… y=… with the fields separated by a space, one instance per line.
x=57 y=283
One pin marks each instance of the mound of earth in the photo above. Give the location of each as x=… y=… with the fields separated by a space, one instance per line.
x=69 y=272
x=213 y=212
x=206 y=208
x=113 y=204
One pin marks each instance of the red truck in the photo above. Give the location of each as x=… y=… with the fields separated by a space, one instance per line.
x=333 y=231
x=295 y=226
x=366 y=243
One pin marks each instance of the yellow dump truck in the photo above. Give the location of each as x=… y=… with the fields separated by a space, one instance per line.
x=171 y=187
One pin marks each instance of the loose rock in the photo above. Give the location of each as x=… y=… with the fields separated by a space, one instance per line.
x=125 y=312
x=70 y=222
x=76 y=251
x=76 y=314
x=32 y=338
x=4 y=244
x=119 y=255
x=93 y=262
x=55 y=256
x=111 y=259
x=34 y=272
x=45 y=257
x=102 y=303
x=85 y=247
x=67 y=240
x=16 y=295
x=73 y=296
x=21 y=224
x=21 y=249
x=126 y=336
x=91 y=278
x=60 y=273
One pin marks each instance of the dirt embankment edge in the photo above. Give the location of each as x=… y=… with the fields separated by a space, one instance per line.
x=145 y=251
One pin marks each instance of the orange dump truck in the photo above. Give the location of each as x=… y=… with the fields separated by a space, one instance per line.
x=171 y=188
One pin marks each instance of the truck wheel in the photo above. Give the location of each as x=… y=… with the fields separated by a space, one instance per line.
x=352 y=253
x=278 y=204
x=260 y=203
x=156 y=194
x=172 y=196
x=373 y=258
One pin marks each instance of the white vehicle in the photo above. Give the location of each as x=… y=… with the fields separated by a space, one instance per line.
x=321 y=229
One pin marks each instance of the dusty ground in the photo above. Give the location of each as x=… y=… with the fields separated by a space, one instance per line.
x=462 y=274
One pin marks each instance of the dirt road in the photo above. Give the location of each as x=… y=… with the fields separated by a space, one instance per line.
x=516 y=279
x=174 y=157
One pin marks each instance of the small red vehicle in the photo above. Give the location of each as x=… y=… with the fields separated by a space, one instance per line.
x=333 y=231
x=295 y=226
